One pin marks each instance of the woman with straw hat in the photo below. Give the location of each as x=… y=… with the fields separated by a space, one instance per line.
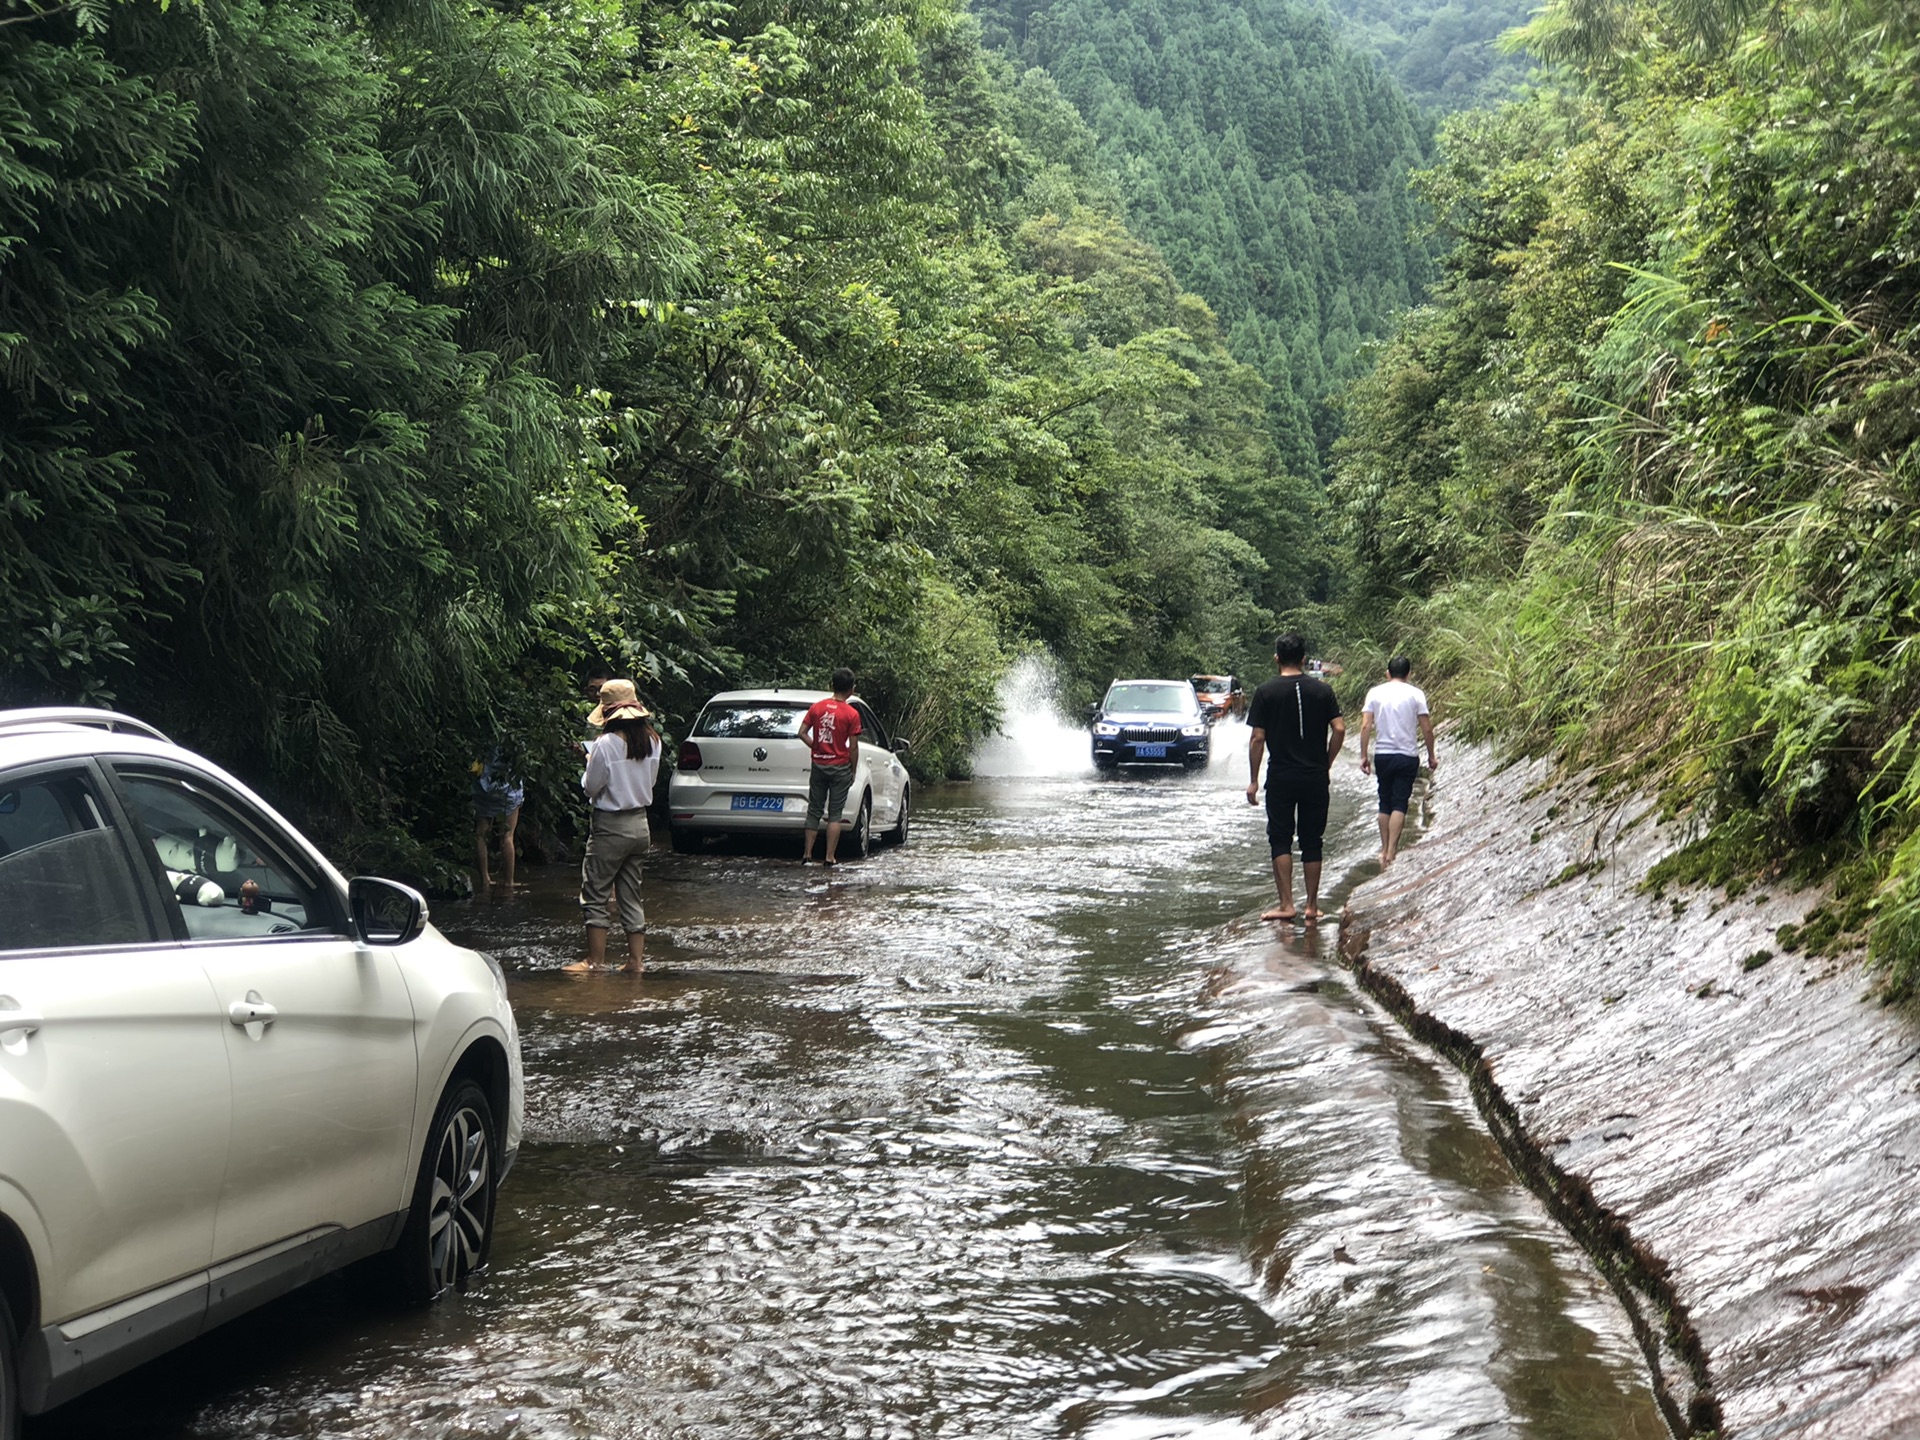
x=622 y=768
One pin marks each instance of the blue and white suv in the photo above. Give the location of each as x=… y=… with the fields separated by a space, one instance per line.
x=1151 y=722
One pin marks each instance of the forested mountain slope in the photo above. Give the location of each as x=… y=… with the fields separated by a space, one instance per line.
x=1647 y=471
x=1443 y=54
x=367 y=370
x=1266 y=158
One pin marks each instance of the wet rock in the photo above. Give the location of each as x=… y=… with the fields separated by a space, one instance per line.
x=1744 y=1171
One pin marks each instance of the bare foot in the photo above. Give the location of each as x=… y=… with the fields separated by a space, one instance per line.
x=1313 y=916
x=578 y=967
x=1278 y=914
x=631 y=968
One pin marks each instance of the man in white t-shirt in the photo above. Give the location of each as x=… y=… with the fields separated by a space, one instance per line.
x=1393 y=723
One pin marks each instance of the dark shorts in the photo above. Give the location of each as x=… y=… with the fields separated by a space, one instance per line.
x=1396 y=774
x=1296 y=801
x=827 y=790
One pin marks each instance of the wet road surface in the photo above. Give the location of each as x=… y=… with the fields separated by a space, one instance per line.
x=1026 y=1130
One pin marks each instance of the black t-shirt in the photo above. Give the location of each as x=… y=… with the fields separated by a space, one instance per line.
x=1295 y=711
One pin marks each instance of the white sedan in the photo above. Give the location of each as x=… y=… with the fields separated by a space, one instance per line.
x=744 y=771
x=224 y=1069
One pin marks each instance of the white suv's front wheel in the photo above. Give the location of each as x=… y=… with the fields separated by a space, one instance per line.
x=449 y=1229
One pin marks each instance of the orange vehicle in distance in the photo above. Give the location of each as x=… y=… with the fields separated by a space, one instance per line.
x=1220 y=696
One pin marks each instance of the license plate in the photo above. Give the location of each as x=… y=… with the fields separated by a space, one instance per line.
x=759 y=802
x=1150 y=752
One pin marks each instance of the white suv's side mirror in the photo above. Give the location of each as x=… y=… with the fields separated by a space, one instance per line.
x=384 y=912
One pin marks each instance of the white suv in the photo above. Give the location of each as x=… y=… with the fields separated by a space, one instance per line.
x=224 y=1069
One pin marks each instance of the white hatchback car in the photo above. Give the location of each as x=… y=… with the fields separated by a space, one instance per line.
x=224 y=1069
x=744 y=771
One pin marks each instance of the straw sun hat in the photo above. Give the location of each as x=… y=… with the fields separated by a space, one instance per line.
x=618 y=701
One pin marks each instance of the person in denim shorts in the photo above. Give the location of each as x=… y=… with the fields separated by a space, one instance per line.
x=832 y=728
x=497 y=797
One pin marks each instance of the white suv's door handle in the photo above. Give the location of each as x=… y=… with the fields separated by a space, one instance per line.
x=252 y=1011
x=15 y=1021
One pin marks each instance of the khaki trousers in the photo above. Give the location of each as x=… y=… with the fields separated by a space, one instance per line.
x=616 y=848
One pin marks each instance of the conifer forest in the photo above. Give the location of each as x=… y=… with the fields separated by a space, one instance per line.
x=371 y=369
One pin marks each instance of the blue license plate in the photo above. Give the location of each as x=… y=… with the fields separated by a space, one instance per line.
x=1150 y=752
x=759 y=802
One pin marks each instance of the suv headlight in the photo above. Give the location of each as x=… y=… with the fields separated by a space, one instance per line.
x=1193 y=729
x=1105 y=727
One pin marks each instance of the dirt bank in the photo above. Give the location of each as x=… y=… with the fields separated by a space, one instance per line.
x=1733 y=1131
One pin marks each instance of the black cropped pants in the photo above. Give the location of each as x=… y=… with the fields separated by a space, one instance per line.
x=1297 y=802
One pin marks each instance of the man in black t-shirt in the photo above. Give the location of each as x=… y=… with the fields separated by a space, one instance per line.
x=1296 y=721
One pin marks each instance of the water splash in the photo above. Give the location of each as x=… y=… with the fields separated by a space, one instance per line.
x=1229 y=749
x=1035 y=738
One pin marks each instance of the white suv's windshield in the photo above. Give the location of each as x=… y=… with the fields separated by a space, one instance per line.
x=750 y=720
x=1150 y=699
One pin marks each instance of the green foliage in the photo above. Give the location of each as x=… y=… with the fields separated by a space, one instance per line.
x=1661 y=514
x=1445 y=55
x=1265 y=158
x=374 y=368
x=277 y=429
x=80 y=526
x=981 y=414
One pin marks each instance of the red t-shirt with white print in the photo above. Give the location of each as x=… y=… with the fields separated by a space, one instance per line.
x=833 y=723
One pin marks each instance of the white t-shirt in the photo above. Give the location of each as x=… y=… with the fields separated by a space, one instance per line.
x=615 y=782
x=1396 y=708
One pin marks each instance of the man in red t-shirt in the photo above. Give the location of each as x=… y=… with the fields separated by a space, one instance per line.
x=832 y=728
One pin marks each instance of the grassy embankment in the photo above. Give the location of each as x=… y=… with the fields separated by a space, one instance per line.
x=1639 y=485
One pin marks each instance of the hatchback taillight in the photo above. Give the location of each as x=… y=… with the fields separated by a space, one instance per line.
x=689 y=755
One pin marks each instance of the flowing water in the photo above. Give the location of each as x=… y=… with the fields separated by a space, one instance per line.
x=1026 y=1130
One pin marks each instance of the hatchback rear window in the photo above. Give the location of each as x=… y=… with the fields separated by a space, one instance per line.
x=764 y=721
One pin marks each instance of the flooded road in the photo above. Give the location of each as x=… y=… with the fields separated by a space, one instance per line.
x=1026 y=1130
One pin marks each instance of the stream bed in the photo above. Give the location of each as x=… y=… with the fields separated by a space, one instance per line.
x=1027 y=1129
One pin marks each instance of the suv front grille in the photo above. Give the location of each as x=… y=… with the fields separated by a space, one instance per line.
x=1140 y=735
